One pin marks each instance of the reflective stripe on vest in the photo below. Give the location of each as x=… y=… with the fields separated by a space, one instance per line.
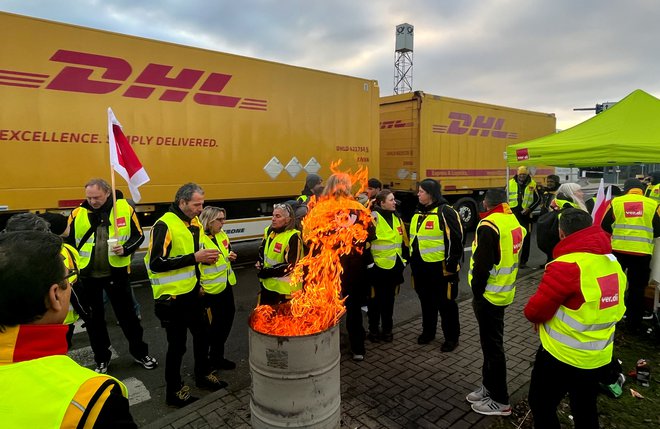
x=632 y=230
x=387 y=246
x=274 y=251
x=183 y=280
x=82 y=225
x=500 y=286
x=214 y=277
x=583 y=338
x=43 y=391
x=432 y=238
x=528 y=193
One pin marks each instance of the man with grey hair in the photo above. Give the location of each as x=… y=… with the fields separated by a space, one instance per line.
x=106 y=237
x=173 y=267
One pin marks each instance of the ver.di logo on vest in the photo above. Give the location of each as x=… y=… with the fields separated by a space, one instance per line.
x=633 y=209
x=609 y=291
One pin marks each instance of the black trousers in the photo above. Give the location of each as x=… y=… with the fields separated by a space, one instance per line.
x=381 y=307
x=222 y=318
x=439 y=296
x=178 y=316
x=354 y=324
x=526 y=223
x=638 y=271
x=118 y=291
x=551 y=380
x=490 y=319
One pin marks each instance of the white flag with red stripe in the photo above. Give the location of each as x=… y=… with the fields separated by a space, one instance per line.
x=123 y=159
x=602 y=203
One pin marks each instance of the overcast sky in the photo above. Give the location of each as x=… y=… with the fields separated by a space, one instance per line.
x=548 y=56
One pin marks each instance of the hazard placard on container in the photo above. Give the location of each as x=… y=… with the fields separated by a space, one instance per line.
x=274 y=167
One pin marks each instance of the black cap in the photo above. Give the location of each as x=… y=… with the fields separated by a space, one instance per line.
x=633 y=184
x=57 y=222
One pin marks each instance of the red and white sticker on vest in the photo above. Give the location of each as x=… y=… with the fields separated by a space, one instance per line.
x=633 y=208
x=277 y=248
x=225 y=243
x=400 y=230
x=428 y=224
x=121 y=221
x=609 y=291
x=517 y=237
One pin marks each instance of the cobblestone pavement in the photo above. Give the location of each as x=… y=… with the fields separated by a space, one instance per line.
x=401 y=384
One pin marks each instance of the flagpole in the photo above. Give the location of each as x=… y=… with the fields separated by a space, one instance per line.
x=114 y=197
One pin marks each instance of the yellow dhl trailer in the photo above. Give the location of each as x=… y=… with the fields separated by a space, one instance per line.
x=457 y=142
x=247 y=130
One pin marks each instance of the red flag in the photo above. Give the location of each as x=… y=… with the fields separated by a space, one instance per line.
x=123 y=159
x=602 y=203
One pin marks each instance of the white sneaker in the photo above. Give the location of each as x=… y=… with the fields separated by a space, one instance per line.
x=489 y=407
x=478 y=395
x=358 y=358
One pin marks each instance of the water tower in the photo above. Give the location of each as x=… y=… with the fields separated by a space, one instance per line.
x=403 y=59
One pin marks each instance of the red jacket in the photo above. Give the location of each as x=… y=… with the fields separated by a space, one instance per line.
x=560 y=284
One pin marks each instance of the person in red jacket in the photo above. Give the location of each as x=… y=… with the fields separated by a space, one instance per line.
x=574 y=310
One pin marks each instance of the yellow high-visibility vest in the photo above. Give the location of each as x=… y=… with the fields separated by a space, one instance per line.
x=583 y=338
x=430 y=236
x=81 y=222
x=528 y=195
x=71 y=261
x=214 y=278
x=51 y=392
x=183 y=280
x=632 y=230
x=501 y=287
x=387 y=246
x=274 y=251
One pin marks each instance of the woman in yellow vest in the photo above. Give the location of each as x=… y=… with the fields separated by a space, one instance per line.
x=279 y=251
x=575 y=310
x=41 y=386
x=218 y=280
x=389 y=251
x=436 y=249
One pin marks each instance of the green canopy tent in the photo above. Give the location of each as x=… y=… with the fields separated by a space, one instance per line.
x=625 y=134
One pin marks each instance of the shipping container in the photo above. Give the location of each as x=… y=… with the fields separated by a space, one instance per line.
x=247 y=130
x=460 y=143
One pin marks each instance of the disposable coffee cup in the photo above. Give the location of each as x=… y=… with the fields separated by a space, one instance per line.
x=112 y=242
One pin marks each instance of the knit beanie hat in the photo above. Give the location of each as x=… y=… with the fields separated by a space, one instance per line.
x=374 y=183
x=312 y=180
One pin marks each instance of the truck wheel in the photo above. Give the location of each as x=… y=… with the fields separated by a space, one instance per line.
x=467 y=210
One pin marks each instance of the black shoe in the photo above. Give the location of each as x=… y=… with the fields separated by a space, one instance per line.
x=210 y=382
x=226 y=364
x=374 y=338
x=388 y=338
x=425 y=339
x=181 y=398
x=448 y=346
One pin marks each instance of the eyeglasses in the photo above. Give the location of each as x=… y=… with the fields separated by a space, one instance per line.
x=73 y=272
x=286 y=207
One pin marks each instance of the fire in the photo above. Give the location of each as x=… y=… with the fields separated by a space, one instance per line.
x=332 y=228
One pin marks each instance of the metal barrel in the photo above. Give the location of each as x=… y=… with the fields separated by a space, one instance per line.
x=295 y=380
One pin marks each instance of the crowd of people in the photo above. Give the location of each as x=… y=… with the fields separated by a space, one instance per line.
x=189 y=264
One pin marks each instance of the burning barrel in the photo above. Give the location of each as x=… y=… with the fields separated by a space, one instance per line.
x=295 y=380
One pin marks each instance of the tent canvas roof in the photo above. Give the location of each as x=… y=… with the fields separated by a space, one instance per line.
x=627 y=133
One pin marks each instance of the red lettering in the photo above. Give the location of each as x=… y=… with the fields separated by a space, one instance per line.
x=216 y=83
x=76 y=79
x=156 y=74
x=455 y=126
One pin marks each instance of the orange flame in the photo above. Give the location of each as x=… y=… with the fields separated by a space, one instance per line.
x=336 y=225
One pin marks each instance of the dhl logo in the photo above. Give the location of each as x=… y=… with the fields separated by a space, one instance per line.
x=116 y=72
x=481 y=126
x=395 y=124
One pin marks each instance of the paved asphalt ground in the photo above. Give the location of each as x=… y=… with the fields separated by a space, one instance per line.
x=400 y=384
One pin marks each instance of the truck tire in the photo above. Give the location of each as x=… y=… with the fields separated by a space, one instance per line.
x=467 y=210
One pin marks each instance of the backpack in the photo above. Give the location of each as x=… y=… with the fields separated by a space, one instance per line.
x=547 y=233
